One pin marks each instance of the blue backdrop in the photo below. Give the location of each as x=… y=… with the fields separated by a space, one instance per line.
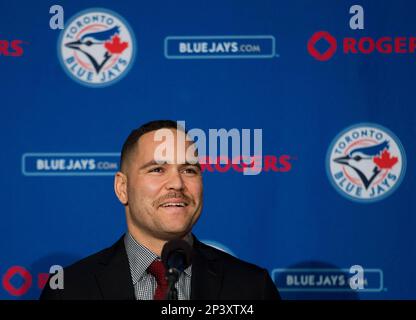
x=295 y=222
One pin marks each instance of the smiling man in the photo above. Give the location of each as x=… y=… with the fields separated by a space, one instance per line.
x=160 y=186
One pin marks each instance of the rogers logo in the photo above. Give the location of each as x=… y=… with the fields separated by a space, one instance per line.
x=322 y=35
x=266 y=163
x=26 y=278
x=363 y=45
x=14 y=287
x=11 y=48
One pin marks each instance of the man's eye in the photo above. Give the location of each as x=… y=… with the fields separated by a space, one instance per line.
x=158 y=170
x=190 y=171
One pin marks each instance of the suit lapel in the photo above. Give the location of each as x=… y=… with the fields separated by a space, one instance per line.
x=115 y=282
x=207 y=273
x=114 y=278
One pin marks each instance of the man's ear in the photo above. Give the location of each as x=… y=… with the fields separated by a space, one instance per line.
x=120 y=187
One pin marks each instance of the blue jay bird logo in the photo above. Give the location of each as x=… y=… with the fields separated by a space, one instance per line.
x=361 y=161
x=97 y=47
x=94 y=45
x=366 y=163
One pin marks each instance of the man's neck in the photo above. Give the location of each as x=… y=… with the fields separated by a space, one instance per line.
x=154 y=244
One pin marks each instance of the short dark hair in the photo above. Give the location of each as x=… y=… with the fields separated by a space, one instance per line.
x=135 y=135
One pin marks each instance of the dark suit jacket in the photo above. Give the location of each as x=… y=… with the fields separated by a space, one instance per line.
x=215 y=276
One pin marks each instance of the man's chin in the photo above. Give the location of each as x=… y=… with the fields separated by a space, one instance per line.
x=175 y=231
x=176 y=222
x=174 y=234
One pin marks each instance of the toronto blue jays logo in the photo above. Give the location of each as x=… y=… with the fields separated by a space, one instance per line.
x=366 y=162
x=96 y=48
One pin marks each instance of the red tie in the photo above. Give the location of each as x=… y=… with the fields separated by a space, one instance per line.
x=157 y=269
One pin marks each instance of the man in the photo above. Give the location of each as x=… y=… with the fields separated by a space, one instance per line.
x=160 y=187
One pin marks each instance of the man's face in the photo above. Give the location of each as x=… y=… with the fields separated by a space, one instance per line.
x=164 y=200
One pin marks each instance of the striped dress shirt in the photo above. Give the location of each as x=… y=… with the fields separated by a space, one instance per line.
x=144 y=283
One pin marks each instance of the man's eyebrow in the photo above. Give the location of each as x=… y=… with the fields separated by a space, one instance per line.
x=153 y=162
x=192 y=164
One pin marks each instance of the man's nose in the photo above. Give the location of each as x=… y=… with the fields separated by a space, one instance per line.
x=175 y=180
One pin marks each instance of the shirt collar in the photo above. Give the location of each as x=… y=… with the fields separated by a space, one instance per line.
x=140 y=257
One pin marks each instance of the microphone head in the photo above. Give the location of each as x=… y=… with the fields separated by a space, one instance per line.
x=177 y=254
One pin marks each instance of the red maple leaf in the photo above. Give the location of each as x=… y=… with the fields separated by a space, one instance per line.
x=115 y=45
x=385 y=161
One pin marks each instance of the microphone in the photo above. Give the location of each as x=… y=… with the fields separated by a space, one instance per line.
x=176 y=256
